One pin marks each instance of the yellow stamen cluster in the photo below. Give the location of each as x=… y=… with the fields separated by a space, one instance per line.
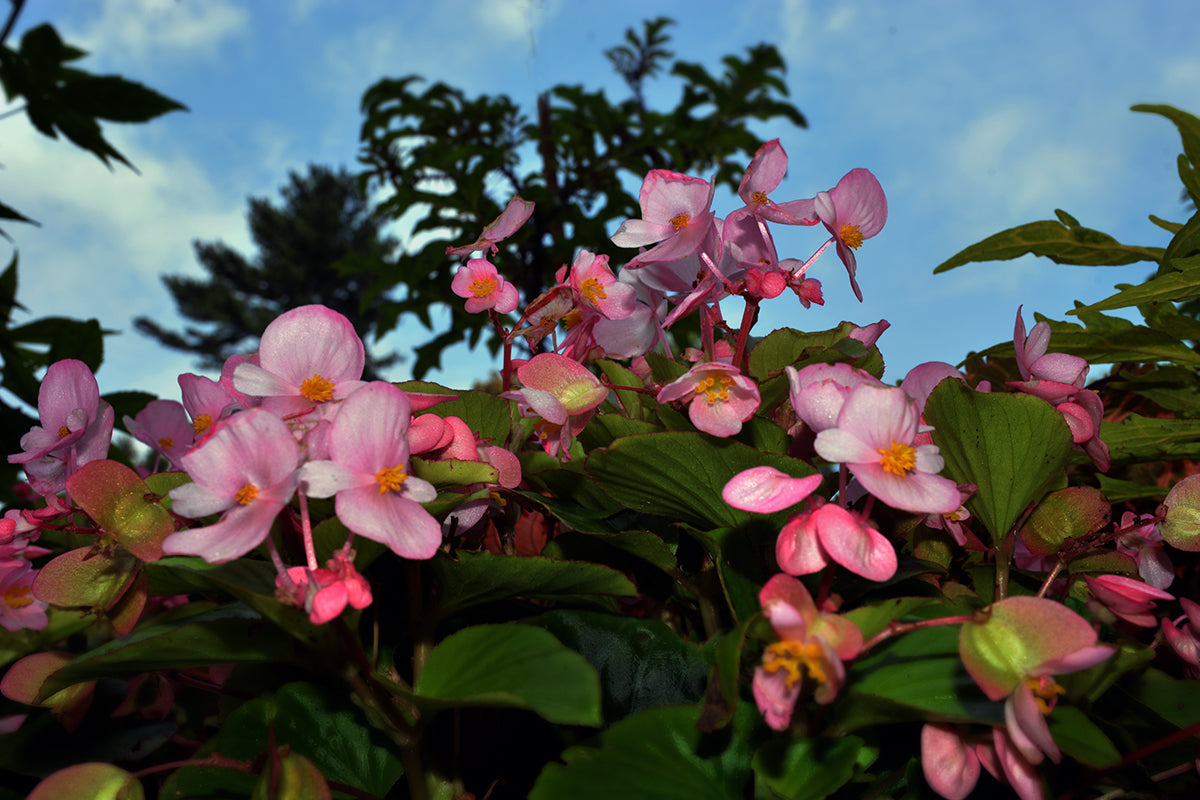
x=245 y=495
x=851 y=236
x=1045 y=692
x=201 y=423
x=898 y=459
x=760 y=198
x=483 y=287
x=17 y=596
x=680 y=220
x=317 y=389
x=572 y=318
x=166 y=443
x=715 y=387
x=789 y=655
x=592 y=290
x=64 y=432
x=391 y=479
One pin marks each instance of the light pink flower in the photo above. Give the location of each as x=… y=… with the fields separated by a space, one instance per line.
x=762 y=177
x=597 y=289
x=1183 y=635
x=19 y=609
x=874 y=437
x=719 y=397
x=76 y=427
x=207 y=401
x=368 y=471
x=675 y=214
x=164 y=426
x=247 y=470
x=484 y=288
x=306 y=357
x=1145 y=545
x=563 y=393
x=765 y=490
x=853 y=211
x=950 y=764
x=827 y=532
x=811 y=642
x=818 y=391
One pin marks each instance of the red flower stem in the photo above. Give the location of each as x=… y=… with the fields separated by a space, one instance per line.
x=310 y=550
x=895 y=628
x=748 y=316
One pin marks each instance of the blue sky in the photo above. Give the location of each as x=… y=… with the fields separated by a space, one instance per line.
x=974 y=116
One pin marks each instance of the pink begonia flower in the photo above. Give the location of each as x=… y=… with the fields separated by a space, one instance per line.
x=514 y=215
x=818 y=391
x=76 y=427
x=306 y=357
x=1013 y=648
x=563 y=393
x=853 y=211
x=484 y=288
x=330 y=590
x=720 y=398
x=246 y=469
x=368 y=471
x=810 y=641
x=596 y=287
x=874 y=437
x=762 y=177
x=207 y=401
x=1145 y=545
x=164 y=426
x=19 y=609
x=675 y=214
x=1185 y=639
x=808 y=290
x=1060 y=374
x=1117 y=596
x=827 y=532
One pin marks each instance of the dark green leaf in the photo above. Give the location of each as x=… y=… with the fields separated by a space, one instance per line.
x=1137 y=439
x=116 y=99
x=811 y=768
x=511 y=666
x=1171 y=287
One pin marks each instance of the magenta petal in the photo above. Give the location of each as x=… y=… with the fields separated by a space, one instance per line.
x=311 y=340
x=798 y=548
x=765 y=490
x=1027 y=727
x=855 y=545
x=370 y=431
x=774 y=699
x=238 y=532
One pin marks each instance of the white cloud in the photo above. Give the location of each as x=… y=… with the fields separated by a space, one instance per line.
x=140 y=30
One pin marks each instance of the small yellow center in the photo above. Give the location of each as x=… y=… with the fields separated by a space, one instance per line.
x=17 y=596
x=1045 y=692
x=592 y=290
x=680 y=220
x=483 y=287
x=317 y=389
x=390 y=479
x=166 y=443
x=201 y=423
x=851 y=236
x=789 y=655
x=715 y=387
x=898 y=459
x=64 y=432
x=245 y=495
x=760 y=198
x=572 y=318
x=545 y=430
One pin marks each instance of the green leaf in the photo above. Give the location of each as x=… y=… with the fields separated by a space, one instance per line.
x=652 y=755
x=680 y=475
x=85 y=577
x=511 y=666
x=116 y=99
x=788 y=347
x=1174 y=700
x=1109 y=340
x=1171 y=287
x=1137 y=439
x=811 y=768
x=123 y=505
x=89 y=782
x=228 y=635
x=453 y=472
x=477 y=578
x=617 y=375
x=874 y=618
x=1011 y=446
x=915 y=676
x=1079 y=738
x=1188 y=125
x=489 y=416
x=1063 y=241
x=642 y=663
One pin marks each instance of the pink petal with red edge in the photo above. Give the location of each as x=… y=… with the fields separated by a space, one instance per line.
x=951 y=768
x=766 y=490
x=798 y=549
x=855 y=545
